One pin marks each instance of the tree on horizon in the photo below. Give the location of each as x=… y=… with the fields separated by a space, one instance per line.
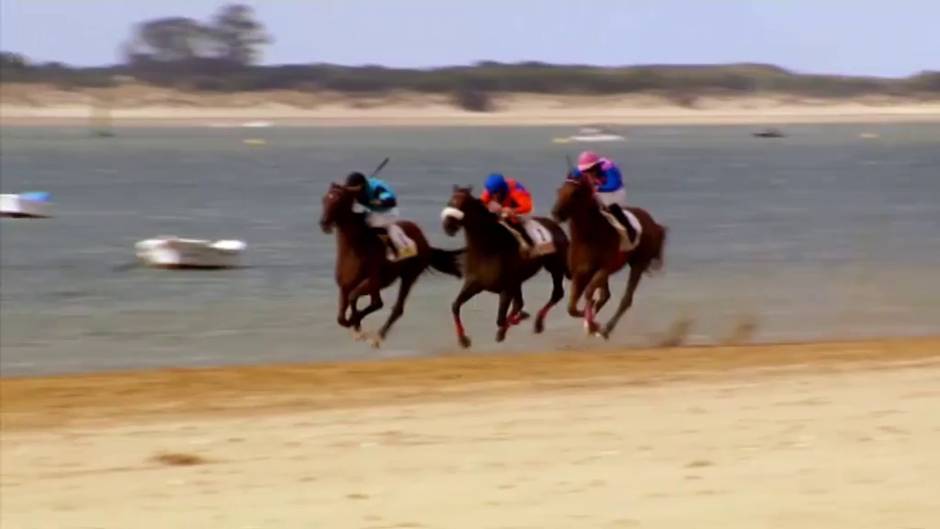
x=234 y=36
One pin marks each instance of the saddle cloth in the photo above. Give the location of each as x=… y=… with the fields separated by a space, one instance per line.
x=625 y=243
x=542 y=241
x=404 y=245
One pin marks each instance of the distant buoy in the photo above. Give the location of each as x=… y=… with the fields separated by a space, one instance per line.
x=868 y=135
x=254 y=141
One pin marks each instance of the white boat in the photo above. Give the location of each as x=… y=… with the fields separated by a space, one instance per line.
x=26 y=205
x=174 y=252
x=591 y=135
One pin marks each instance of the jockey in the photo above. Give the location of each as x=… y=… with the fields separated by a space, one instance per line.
x=510 y=199
x=608 y=182
x=379 y=200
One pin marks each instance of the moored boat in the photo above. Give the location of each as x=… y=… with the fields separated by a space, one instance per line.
x=174 y=252
x=34 y=204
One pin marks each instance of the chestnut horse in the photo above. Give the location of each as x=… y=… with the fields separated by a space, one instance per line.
x=595 y=253
x=363 y=268
x=495 y=263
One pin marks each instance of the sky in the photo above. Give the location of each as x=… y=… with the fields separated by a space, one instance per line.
x=858 y=37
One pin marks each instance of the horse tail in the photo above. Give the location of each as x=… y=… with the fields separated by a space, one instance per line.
x=447 y=261
x=660 y=259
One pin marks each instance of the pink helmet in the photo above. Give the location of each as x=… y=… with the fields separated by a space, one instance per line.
x=588 y=159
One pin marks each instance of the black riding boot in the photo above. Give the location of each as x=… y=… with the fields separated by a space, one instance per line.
x=520 y=229
x=525 y=236
x=618 y=213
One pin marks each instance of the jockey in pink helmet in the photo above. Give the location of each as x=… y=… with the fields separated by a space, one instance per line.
x=609 y=185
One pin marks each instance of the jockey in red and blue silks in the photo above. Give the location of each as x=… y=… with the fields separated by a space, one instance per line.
x=506 y=196
x=608 y=182
x=510 y=199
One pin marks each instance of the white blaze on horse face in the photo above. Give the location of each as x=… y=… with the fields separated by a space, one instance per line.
x=452 y=213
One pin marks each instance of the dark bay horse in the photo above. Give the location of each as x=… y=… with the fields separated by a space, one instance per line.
x=494 y=262
x=595 y=252
x=363 y=268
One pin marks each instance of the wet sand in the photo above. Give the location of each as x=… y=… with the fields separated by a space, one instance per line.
x=824 y=435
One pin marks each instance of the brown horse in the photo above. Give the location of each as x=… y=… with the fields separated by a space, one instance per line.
x=363 y=268
x=495 y=262
x=595 y=252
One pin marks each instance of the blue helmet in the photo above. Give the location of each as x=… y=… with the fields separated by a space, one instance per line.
x=496 y=184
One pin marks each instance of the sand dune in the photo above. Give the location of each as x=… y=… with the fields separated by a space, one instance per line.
x=146 y=105
x=814 y=435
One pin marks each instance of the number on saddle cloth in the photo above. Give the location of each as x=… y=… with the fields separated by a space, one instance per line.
x=541 y=237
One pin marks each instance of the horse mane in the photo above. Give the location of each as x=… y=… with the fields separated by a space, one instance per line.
x=354 y=216
x=474 y=201
x=582 y=181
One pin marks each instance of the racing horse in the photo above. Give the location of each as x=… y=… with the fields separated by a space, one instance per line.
x=495 y=261
x=363 y=266
x=596 y=251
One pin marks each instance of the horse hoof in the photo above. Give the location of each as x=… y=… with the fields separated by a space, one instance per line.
x=539 y=326
x=501 y=335
x=375 y=342
x=463 y=341
x=591 y=328
x=357 y=335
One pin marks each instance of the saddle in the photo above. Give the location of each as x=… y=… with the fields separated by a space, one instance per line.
x=398 y=245
x=534 y=239
x=629 y=231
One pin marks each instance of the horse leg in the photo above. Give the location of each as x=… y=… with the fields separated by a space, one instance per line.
x=578 y=283
x=397 y=310
x=599 y=279
x=469 y=290
x=516 y=314
x=558 y=292
x=502 y=322
x=368 y=286
x=341 y=318
x=636 y=273
x=605 y=297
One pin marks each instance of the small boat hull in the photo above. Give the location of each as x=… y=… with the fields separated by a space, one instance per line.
x=23 y=206
x=591 y=135
x=596 y=138
x=176 y=253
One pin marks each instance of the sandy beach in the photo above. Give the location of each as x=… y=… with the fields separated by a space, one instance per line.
x=817 y=435
x=137 y=105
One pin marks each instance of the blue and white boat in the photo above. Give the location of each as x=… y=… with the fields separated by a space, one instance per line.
x=33 y=204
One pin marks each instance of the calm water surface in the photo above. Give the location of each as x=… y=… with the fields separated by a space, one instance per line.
x=822 y=234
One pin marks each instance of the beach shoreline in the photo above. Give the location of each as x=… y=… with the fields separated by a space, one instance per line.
x=63 y=400
x=668 y=437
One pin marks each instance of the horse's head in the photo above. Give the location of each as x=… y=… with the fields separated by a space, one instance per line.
x=574 y=193
x=461 y=203
x=338 y=201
